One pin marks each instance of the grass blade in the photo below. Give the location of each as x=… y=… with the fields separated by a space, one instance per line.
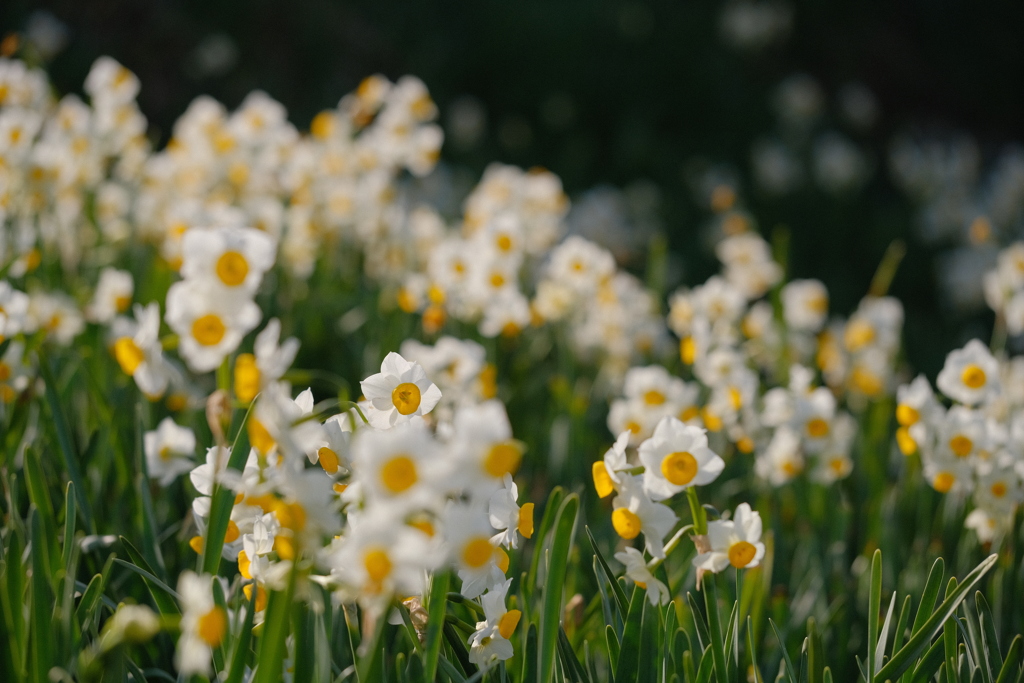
x=904 y=659
x=554 y=586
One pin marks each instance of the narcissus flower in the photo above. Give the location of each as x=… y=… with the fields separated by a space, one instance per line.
x=209 y=324
x=113 y=295
x=508 y=517
x=490 y=641
x=399 y=392
x=169 y=449
x=637 y=570
x=676 y=457
x=970 y=375
x=141 y=355
x=635 y=513
x=203 y=624
x=231 y=257
x=735 y=542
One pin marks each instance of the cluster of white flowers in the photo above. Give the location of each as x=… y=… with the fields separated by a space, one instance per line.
x=675 y=458
x=972 y=447
x=1004 y=287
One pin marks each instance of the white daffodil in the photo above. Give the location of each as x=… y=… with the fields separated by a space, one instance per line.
x=735 y=542
x=637 y=570
x=203 y=624
x=399 y=392
x=480 y=562
x=113 y=295
x=970 y=375
x=402 y=467
x=915 y=407
x=57 y=314
x=141 y=354
x=634 y=512
x=379 y=557
x=210 y=324
x=508 y=517
x=283 y=425
x=506 y=314
x=782 y=459
x=580 y=264
x=232 y=257
x=169 y=449
x=490 y=641
x=484 y=449
x=805 y=305
x=675 y=457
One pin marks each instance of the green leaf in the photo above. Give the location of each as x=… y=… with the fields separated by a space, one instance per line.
x=162 y=597
x=1012 y=661
x=715 y=627
x=149 y=531
x=815 y=653
x=987 y=628
x=436 y=605
x=40 y=655
x=272 y=647
x=223 y=501
x=612 y=643
x=69 y=528
x=931 y=591
x=703 y=637
x=64 y=442
x=240 y=654
x=554 y=586
x=929 y=664
x=617 y=592
x=904 y=659
x=752 y=651
x=629 y=648
x=874 y=606
x=551 y=509
x=790 y=671
x=530 y=658
x=707 y=665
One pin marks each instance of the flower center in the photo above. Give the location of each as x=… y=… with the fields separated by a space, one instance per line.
x=209 y=329
x=122 y=303
x=905 y=441
x=477 y=552
x=232 y=268
x=961 y=446
x=247 y=377
x=654 y=398
x=212 y=626
x=128 y=354
x=973 y=377
x=502 y=459
x=377 y=564
x=679 y=468
x=406 y=398
x=858 y=335
x=998 y=489
x=741 y=553
x=504 y=242
x=626 y=522
x=943 y=482
x=398 y=474
x=817 y=428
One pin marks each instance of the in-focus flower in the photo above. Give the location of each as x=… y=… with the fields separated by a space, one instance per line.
x=399 y=392
x=735 y=542
x=634 y=513
x=490 y=641
x=210 y=324
x=676 y=457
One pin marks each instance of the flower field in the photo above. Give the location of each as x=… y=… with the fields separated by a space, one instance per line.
x=269 y=413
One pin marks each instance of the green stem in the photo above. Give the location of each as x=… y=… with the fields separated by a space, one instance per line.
x=700 y=517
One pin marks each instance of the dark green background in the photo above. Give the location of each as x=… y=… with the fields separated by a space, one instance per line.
x=651 y=86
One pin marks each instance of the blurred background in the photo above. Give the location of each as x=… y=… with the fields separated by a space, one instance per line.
x=844 y=125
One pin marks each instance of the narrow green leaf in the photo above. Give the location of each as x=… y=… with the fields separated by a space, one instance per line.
x=931 y=591
x=707 y=666
x=883 y=634
x=40 y=655
x=715 y=628
x=436 y=606
x=574 y=671
x=617 y=592
x=752 y=652
x=162 y=597
x=904 y=659
x=240 y=653
x=874 y=606
x=629 y=648
x=69 y=527
x=150 y=547
x=1012 y=661
x=989 y=639
x=703 y=637
x=901 y=625
x=272 y=647
x=554 y=585
x=612 y=643
x=815 y=655
x=64 y=443
x=223 y=501
x=929 y=664
x=790 y=671
x=551 y=509
x=530 y=657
